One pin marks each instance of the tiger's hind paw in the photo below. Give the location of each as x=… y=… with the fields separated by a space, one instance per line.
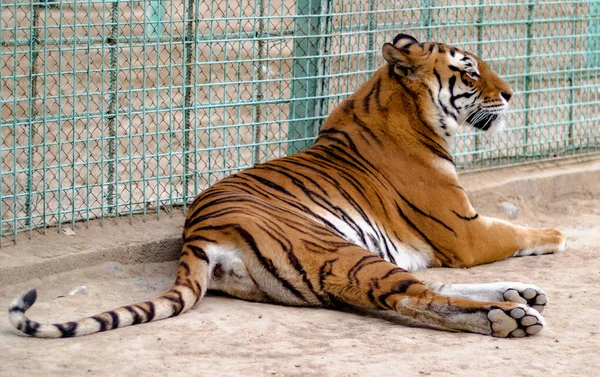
x=517 y=322
x=529 y=295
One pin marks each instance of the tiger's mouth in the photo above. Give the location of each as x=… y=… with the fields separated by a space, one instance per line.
x=485 y=120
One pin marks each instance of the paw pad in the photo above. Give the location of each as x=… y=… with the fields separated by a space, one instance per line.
x=515 y=323
x=532 y=297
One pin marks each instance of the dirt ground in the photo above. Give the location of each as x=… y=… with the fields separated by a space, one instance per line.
x=223 y=336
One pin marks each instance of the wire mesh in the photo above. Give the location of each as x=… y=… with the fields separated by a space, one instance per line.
x=117 y=107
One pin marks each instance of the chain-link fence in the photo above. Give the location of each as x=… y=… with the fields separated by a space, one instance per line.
x=117 y=107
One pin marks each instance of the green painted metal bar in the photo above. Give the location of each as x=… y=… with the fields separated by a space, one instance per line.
x=32 y=109
x=371 y=15
x=304 y=70
x=527 y=151
x=155 y=13
x=592 y=60
x=325 y=29
x=3 y=88
x=188 y=69
x=593 y=35
x=111 y=116
x=426 y=8
x=477 y=139
x=261 y=69
x=571 y=82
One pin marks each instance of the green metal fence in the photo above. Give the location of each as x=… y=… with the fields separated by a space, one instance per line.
x=117 y=107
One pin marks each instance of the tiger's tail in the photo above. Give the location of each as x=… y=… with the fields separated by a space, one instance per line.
x=190 y=286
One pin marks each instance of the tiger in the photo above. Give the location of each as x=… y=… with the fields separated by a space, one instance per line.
x=345 y=222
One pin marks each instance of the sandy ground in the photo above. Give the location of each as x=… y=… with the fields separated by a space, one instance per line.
x=223 y=336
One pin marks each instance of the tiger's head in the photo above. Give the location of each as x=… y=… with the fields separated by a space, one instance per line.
x=454 y=87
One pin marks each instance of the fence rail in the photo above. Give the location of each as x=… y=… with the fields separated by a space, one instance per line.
x=112 y=108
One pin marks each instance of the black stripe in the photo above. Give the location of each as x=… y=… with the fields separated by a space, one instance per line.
x=136 y=317
x=374 y=284
x=404 y=36
x=467 y=218
x=115 y=319
x=439 y=80
x=186 y=268
x=451 y=83
x=367 y=99
x=150 y=313
x=416 y=229
x=325 y=271
x=392 y=272
x=366 y=129
x=359 y=268
x=31 y=328
x=400 y=288
x=462 y=95
x=357 y=265
x=67 y=330
x=15 y=309
x=419 y=211
x=198 y=252
x=288 y=249
x=197 y=237
x=268 y=183
x=437 y=100
x=199 y=289
x=178 y=302
x=266 y=262
x=435 y=147
x=380 y=108
x=438 y=153
x=348 y=106
x=103 y=323
x=29 y=299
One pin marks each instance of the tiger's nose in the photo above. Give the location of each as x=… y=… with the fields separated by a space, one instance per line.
x=506 y=95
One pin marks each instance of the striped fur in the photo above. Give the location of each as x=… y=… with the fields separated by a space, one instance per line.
x=345 y=221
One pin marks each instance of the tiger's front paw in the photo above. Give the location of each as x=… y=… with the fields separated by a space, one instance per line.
x=543 y=241
x=527 y=294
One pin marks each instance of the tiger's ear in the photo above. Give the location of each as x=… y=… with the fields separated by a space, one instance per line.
x=404 y=40
x=400 y=58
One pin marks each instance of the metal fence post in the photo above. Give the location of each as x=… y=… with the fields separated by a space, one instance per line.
x=530 y=8
x=34 y=40
x=593 y=56
x=189 y=44
x=477 y=139
x=155 y=12
x=425 y=17
x=111 y=115
x=261 y=73
x=304 y=120
x=593 y=31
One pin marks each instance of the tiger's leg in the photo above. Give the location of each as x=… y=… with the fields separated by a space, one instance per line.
x=520 y=293
x=487 y=240
x=358 y=277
